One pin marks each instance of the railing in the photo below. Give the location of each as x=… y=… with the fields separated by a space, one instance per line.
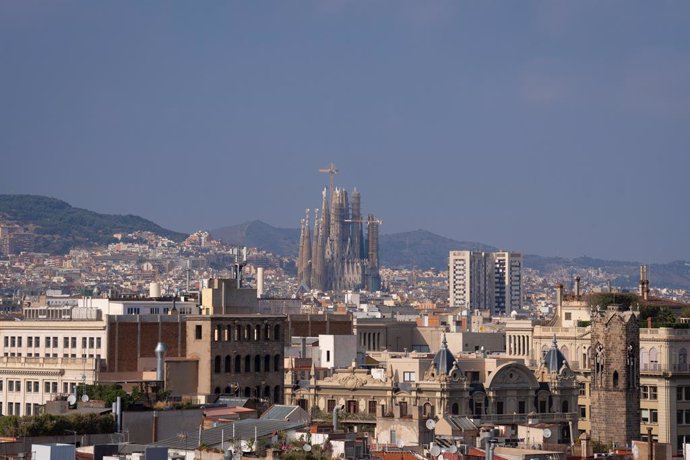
x=657 y=368
x=521 y=418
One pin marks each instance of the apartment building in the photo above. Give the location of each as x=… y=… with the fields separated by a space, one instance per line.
x=485 y=280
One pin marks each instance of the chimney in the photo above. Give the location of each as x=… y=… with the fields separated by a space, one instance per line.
x=259 y=282
x=577 y=288
x=160 y=350
x=559 y=296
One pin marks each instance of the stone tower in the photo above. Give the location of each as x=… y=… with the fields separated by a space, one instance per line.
x=615 y=376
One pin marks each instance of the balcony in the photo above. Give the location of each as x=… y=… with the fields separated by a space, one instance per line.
x=511 y=419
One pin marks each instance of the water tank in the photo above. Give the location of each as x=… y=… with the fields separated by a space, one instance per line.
x=154 y=290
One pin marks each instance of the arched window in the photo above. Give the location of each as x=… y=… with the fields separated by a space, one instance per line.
x=455 y=409
x=217 y=390
x=247 y=332
x=428 y=410
x=228 y=390
x=228 y=364
x=644 y=359
x=257 y=364
x=276 y=332
x=564 y=406
x=277 y=365
x=277 y=394
x=238 y=364
x=216 y=365
x=247 y=363
x=267 y=392
x=257 y=333
x=228 y=333
x=247 y=392
x=267 y=332
x=653 y=359
x=238 y=333
x=216 y=334
x=615 y=379
x=267 y=363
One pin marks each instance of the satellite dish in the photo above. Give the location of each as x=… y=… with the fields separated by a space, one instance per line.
x=72 y=400
x=430 y=424
x=435 y=451
x=307 y=448
x=84 y=398
x=547 y=433
x=400 y=443
x=453 y=449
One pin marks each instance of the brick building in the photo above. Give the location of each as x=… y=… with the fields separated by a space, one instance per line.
x=230 y=354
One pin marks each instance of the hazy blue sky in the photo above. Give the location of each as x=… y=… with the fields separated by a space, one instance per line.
x=556 y=128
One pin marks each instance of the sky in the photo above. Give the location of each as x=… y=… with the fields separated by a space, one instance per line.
x=546 y=127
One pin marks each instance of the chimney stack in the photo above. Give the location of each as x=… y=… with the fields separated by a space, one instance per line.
x=577 y=288
x=160 y=350
x=559 y=295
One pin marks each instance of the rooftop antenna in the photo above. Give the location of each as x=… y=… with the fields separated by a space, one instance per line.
x=331 y=171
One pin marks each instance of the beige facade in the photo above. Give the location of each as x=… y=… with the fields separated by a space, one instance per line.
x=406 y=389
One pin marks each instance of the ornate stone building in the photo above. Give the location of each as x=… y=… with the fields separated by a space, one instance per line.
x=615 y=376
x=407 y=389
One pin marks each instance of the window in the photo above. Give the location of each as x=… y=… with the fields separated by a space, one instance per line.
x=583 y=388
x=328 y=356
x=74 y=342
x=53 y=387
x=30 y=342
x=13 y=342
x=351 y=406
x=521 y=407
x=55 y=343
x=37 y=341
x=371 y=407
x=409 y=376
x=683 y=393
x=403 y=409
x=7 y=341
x=568 y=316
x=98 y=342
x=17 y=385
x=649 y=416
x=90 y=342
x=197 y=332
x=46 y=387
x=10 y=385
x=330 y=405
x=65 y=342
x=19 y=341
x=83 y=342
x=583 y=411
x=499 y=407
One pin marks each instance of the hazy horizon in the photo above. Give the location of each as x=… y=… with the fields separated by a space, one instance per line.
x=550 y=128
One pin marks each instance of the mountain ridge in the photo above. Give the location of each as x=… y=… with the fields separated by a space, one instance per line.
x=58 y=226
x=423 y=249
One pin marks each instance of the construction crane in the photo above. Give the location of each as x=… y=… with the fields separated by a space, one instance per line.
x=331 y=171
x=363 y=221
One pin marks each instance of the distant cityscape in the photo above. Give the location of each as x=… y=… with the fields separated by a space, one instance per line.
x=335 y=352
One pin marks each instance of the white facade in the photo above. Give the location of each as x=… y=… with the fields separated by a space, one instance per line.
x=485 y=280
x=42 y=359
x=337 y=351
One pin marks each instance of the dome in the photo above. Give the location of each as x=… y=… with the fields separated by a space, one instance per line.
x=554 y=359
x=444 y=359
